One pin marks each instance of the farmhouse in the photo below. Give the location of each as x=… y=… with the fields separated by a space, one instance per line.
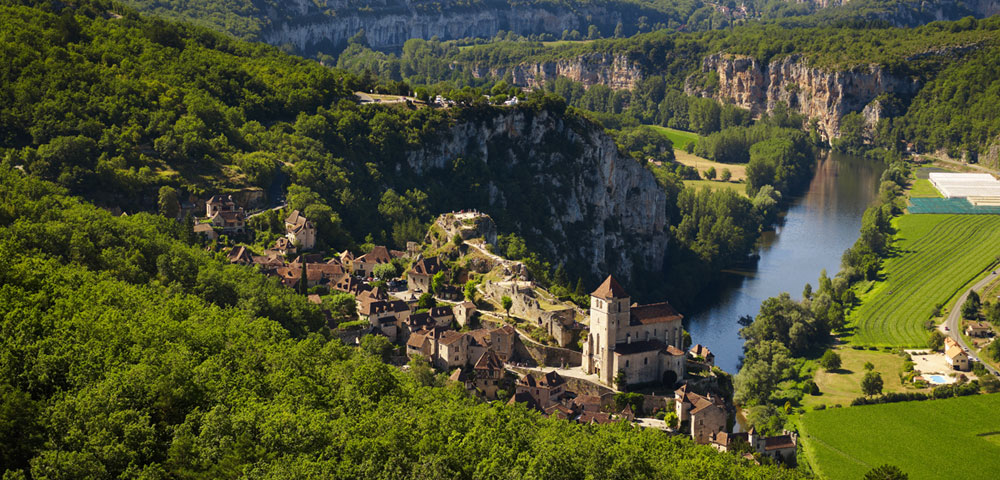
x=957 y=358
x=978 y=329
x=637 y=340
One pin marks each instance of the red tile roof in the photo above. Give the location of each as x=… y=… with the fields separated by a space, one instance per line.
x=609 y=289
x=426 y=266
x=451 y=337
x=653 y=313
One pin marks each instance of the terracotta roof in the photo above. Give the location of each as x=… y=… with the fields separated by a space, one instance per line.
x=456 y=375
x=417 y=340
x=240 y=254
x=346 y=255
x=588 y=402
x=480 y=337
x=202 y=227
x=702 y=404
x=450 y=337
x=549 y=380
x=426 y=266
x=295 y=218
x=653 y=313
x=378 y=254
x=954 y=351
x=489 y=361
x=559 y=411
x=313 y=298
x=672 y=350
x=609 y=289
x=779 y=442
x=701 y=351
x=506 y=329
x=467 y=305
x=726 y=439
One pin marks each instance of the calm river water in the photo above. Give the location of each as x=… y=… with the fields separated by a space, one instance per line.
x=817 y=228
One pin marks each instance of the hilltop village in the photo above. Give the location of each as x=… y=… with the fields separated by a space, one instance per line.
x=452 y=304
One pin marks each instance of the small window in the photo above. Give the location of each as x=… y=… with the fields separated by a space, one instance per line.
x=626 y=363
x=645 y=361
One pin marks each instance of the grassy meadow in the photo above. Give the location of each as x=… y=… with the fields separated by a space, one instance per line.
x=932 y=439
x=935 y=257
x=679 y=138
x=923 y=188
x=843 y=385
x=716 y=185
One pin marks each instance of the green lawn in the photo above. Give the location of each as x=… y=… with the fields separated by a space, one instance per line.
x=679 y=138
x=844 y=384
x=932 y=439
x=716 y=185
x=923 y=188
x=936 y=256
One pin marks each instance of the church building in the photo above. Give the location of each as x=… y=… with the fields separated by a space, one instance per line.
x=640 y=340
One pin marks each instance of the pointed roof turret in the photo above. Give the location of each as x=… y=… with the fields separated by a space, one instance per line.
x=609 y=289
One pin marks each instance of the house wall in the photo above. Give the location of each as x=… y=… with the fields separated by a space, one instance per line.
x=706 y=422
x=418 y=282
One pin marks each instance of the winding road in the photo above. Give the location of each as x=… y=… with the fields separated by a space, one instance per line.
x=954 y=324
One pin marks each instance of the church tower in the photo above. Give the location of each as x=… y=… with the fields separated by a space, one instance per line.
x=609 y=311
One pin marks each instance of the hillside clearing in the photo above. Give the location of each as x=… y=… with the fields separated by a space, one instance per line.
x=950 y=438
x=715 y=185
x=935 y=256
x=923 y=188
x=844 y=384
x=679 y=138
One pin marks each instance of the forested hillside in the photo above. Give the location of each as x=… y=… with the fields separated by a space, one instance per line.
x=130 y=354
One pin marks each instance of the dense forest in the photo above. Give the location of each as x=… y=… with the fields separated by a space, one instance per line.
x=130 y=353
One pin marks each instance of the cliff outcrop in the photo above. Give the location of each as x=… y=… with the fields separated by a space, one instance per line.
x=615 y=71
x=560 y=183
x=388 y=25
x=818 y=93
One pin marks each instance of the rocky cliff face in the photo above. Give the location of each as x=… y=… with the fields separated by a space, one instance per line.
x=615 y=71
x=819 y=94
x=917 y=12
x=392 y=23
x=563 y=185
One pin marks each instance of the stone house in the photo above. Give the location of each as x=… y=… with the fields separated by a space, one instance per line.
x=702 y=352
x=489 y=371
x=418 y=278
x=463 y=312
x=284 y=246
x=224 y=214
x=781 y=448
x=442 y=316
x=220 y=203
x=206 y=230
x=453 y=350
x=365 y=264
x=637 y=340
x=300 y=230
x=705 y=414
x=546 y=391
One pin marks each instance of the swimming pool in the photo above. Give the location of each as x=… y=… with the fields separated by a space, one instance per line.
x=938 y=379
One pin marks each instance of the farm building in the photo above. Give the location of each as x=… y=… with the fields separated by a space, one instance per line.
x=977 y=188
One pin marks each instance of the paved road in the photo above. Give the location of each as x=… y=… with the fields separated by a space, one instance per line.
x=954 y=317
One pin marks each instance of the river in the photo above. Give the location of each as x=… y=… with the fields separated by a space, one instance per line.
x=817 y=227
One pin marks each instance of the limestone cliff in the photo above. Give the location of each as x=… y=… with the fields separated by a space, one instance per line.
x=615 y=71
x=818 y=93
x=561 y=183
x=390 y=23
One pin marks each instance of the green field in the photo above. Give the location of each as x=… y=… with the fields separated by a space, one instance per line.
x=698 y=184
x=932 y=439
x=679 y=138
x=936 y=256
x=923 y=188
x=843 y=385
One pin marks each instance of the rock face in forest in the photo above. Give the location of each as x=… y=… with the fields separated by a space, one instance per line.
x=561 y=183
x=818 y=93
x=389 y=23
x=614 y=71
